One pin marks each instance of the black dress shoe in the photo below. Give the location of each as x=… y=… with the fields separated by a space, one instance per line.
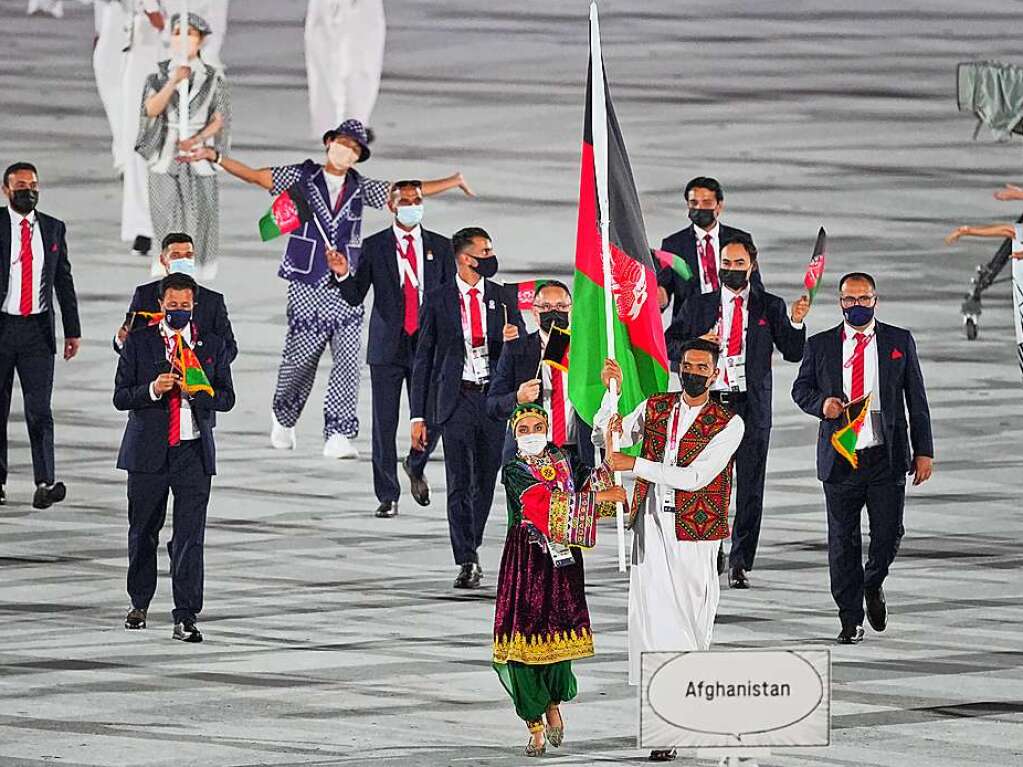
x=135 y=619
x=721 y=559
x=877 y=608
x=45 y=496
x=850 y=635
x=387 y=509
x=3 y=496
x=663 y=755
x=469 y=576
x=737 y=578
x=420 y=487
x=141 y=246
x=187 y=631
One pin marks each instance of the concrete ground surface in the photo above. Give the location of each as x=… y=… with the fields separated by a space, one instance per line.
x=334 y=638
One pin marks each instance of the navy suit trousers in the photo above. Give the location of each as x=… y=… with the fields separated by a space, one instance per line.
x=386 y=382
x=24 y=349
x=750 y=473
x=473 y=443
x=883 y=492
x=185 y=476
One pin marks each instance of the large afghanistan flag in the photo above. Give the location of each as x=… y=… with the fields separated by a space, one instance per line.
x=638 y=334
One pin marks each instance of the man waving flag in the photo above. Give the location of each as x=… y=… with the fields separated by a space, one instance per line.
x=615 y=271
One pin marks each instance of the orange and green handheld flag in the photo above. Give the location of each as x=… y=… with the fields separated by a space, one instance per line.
x=844 y=440
x=193 y=377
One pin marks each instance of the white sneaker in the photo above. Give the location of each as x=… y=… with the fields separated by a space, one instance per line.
x=339 y=447
x=282 y=437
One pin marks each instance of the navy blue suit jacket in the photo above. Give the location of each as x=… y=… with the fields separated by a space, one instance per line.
x=767 y=328
x=56 y=275
x=440 y=352
x=683 y=243
x=378 y=267
x=518 y=364
x=901 y=389
x=209 y=314
x=145 y=442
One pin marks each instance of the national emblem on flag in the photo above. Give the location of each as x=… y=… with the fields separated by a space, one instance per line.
x=193 y=377
x=288 y=212
x=844 y=440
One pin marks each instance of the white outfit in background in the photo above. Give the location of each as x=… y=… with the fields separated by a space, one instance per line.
x=673 y=584
x=108 y=66
x=344 y=54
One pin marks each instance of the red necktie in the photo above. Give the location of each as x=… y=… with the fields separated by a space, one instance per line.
x=475 y=321
x=559 y=431
x=25 y=254
x=710 y=262
x=411 y=291
x=858 y=367
x=735 y=334
x=174 y=407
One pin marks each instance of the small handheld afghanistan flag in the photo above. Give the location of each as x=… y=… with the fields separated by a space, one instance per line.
x=815 y=269
x=844 y=440
x=673 y=261
x=193 y=377
x=287 y=213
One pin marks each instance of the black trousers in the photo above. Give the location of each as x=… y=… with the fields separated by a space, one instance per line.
x=386 y=382
x=472 y=460
x=184 y=476
x=24 y=348
x=750 y=472
x=883 y=492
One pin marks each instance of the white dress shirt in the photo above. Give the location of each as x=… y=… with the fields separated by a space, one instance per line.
x=12 y=301
x=701 y=234
x=871 y=433
x=468 y=373
x=417 y=244
x=666 y=475
x=727 y=312
x=189 y=430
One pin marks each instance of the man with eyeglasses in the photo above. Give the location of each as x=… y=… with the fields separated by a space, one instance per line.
x=515 y=381
x=865 y=363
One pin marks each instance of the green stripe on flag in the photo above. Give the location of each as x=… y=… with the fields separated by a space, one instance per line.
x=268 y=228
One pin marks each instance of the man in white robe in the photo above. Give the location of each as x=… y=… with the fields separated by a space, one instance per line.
x=673 y=582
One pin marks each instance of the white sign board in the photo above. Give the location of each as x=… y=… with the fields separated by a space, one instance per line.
x=735 y=699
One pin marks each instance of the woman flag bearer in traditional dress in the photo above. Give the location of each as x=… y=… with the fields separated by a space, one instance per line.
x=183 y=194
x=317 y=314
x=680 y=507
x=541 y=623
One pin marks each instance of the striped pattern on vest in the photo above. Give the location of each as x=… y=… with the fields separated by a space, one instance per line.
x=700 y=515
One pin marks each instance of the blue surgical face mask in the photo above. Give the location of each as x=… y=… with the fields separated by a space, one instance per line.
x=409 y=215
x=858 y=316
x=178 y=319
x=182 y=266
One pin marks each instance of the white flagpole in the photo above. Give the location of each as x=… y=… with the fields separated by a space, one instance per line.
x=182 y=60
x=598 y=127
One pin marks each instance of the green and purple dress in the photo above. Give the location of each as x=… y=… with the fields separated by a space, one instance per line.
x=541 y=622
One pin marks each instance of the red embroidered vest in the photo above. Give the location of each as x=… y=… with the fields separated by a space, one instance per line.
x=700 y=515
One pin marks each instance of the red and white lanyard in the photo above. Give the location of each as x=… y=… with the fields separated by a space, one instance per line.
x=673 y=436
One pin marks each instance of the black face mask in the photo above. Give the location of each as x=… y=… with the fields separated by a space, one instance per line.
x=24 y=201
x=736 y=279
x=553 y=317
x=692 y=384
x=702 y=217
x=486 y=267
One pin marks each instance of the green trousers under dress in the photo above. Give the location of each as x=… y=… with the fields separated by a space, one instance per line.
x=534 y=688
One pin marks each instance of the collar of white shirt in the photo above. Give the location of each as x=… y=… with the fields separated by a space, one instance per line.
x=701 y=233
x=850 y=331
x=464 y=287
x=186 y=333
x=728 y=295
x=17 y=218
x=400 y=234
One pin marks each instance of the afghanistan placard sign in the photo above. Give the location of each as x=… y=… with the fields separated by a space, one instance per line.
x=735 y=699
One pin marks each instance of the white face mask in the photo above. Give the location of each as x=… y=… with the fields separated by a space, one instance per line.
x=340 y=156
x=531 y=444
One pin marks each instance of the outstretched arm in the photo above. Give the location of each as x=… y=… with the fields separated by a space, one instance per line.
x=1009 y=192
x=1000 y=231
x=438 y=185
x=259 y=176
